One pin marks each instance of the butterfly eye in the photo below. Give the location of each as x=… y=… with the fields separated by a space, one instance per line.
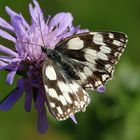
x=44 y=49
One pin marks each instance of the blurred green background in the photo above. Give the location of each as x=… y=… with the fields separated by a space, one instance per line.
x=114 y=115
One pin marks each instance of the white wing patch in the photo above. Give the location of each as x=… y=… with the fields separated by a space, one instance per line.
x=92 y=55
x=117 y=43
x=102 y=56
x=111 y=35
x=65 y=91
x=52 y=93
x=50 y=73
x=105 y=49
x=98 y=38
x=75 y=44
x=62 y=100
x=87 y=71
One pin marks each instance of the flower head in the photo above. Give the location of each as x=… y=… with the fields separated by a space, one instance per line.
x=27 y=57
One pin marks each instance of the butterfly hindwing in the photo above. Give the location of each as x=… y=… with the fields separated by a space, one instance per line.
x=65 y=96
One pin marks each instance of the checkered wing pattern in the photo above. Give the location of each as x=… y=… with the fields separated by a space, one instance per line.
x=85 y=60
x=65 y=96
x=93 y=55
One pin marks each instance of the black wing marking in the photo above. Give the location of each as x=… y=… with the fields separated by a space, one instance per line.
x=93 y=55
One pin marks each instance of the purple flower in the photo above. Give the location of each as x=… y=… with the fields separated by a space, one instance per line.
x=26 y=60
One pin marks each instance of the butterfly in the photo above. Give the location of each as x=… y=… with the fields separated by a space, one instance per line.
x=79 y=62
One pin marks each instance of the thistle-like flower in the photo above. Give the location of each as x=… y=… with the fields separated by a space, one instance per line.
x=27 y=57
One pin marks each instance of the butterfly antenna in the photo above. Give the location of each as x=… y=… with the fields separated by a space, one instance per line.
x=28 y=43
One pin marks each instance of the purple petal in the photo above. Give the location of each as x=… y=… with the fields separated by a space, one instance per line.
x=37 y=6
x=9 y=67
x=20 y=83
x=35 y=12
x=39 y=104
x=11 y=99
x=10 y=76
x=18 y=26
x=28 y=98
x=10 y=12
x=2 y=64
x=21 y=33
x=7 y=51
x=61 y=21
x=101 y=89
x=77 y=30
x=72 y=31
x=6 y=58
x=7 y=36
x=73 y=119
x=16 y=60
x=82 y=31
x=33 y=15
x=24 y=22
x=42 y=123
x=6 y=25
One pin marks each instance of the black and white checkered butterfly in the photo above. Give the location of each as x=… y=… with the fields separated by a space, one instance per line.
x=81 y=61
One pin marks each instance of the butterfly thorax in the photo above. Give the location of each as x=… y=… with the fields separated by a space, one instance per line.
x=54 y=55
x=51 y=54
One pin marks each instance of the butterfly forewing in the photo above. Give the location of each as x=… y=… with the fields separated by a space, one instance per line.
x=93 y=55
